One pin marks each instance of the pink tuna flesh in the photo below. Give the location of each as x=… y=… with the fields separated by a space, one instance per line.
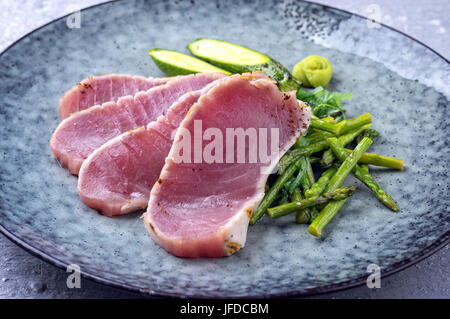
x=97 y=90
x=201 y=209
x=117 y=178
x=79 y=135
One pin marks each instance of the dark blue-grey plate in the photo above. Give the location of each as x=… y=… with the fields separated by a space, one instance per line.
x=401 y=82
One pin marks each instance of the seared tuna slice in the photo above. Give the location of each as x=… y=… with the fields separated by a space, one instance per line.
x=82 y=133
x=97 y=90
x=201 y=208
x=117 y=178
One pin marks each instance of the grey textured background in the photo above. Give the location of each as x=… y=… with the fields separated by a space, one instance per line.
x=24 y=276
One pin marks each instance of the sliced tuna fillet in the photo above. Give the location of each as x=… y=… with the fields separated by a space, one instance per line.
x=97 y=90
x=117 y=178
x=203 y=209
x=82 y=133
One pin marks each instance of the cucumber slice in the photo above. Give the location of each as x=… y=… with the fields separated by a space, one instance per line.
x=176 y=63
x=239 y=59
x=227 y=55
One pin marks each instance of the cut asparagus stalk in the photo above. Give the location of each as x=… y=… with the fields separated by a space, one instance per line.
x=380 y=160
x=354 y=123
x=317 y=188
x=338 y=178
x=271 y=195
x=304 y=215
x=363 y=175
x=299 y=205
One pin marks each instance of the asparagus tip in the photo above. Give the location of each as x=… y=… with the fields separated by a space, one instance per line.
x=393 y=205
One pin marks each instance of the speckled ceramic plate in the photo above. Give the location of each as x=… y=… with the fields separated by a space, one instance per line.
x=401 y=82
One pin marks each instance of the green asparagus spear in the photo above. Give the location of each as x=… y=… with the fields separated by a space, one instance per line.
x=327 y=159
x=294 y=154
x=365 y=168
x=328 y=156
x=299 y=205
x=317 y=188
x=384 y=197
x=364 y=176
x=348 y=164
x=328 y=212
x=354 y=123
x=297 y=195
x=294 y=183
x=343 y=126
x=350 y=136
x=308 y=179
x=303 y=216
x=325 y=216
x=282 y=198
x=271 y=195
x=326 y=126
x=380 y=160
x=315 y=212
x=317 y=136
x=371 y=133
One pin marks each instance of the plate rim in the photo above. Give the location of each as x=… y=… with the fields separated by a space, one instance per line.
x=425 y=252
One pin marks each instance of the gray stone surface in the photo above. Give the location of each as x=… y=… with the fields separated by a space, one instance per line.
x=426 y=21
x=24 y=276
